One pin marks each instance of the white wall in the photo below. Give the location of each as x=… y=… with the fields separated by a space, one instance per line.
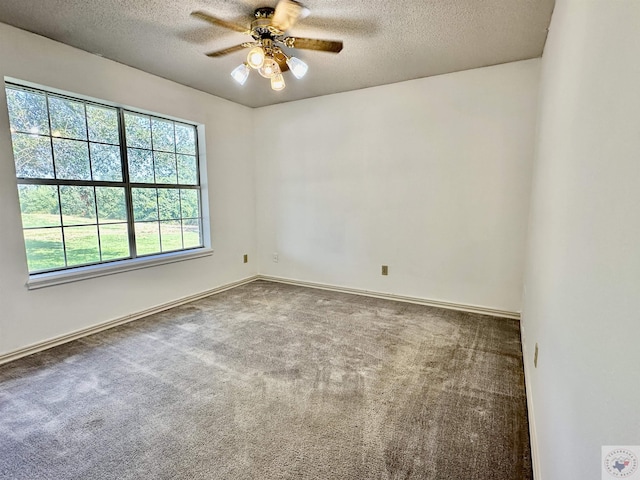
x=582 y=283
x=27 y=317
x=430 y=177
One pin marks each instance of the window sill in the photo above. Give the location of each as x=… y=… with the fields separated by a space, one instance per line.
x=41 y=280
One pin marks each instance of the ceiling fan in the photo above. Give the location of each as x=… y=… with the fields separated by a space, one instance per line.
x=268 y=29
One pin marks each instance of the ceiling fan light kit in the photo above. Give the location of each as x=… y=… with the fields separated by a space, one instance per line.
x=268 y=31
x=269 y=68
x=277 y=82
x=297 y=67
x=241 y=73
x=255 y=58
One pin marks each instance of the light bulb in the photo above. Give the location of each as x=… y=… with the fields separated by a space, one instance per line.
x=277 y=82
x=255 y=58
x=269 y=68
x=241 y=73
x=297 y=66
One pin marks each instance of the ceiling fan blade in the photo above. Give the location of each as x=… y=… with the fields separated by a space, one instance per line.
x=221 y=23
x=287 y=14
x=333 y=46
x=226 y=51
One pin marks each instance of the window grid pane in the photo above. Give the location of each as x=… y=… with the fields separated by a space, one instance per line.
x=32 y=155
x=192 y=232
x=77 y=183
x=147 y=238
x=45 y=247
x=81 y=245
x=39 y=206
x=27 y=111
x=114 y=241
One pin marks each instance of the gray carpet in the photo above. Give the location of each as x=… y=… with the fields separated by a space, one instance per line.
x=270 y=381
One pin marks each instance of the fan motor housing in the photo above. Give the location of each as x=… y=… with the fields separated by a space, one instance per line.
x=261 y=27
x=264 y=12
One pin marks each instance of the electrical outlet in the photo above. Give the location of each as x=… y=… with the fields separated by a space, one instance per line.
x=385 y=270
x=246 y=258
x=535 y=357
x=275 y=258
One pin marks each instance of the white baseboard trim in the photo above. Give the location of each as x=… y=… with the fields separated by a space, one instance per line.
x=38 y=347
x=392 y=296
x=533 y=435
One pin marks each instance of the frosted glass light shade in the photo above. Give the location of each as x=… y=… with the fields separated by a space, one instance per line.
x=297 y=67
x=277 y=82
x=255 y=58
x=269 y=68
x=241 y=73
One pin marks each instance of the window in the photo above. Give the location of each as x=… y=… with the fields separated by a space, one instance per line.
x=99 y=184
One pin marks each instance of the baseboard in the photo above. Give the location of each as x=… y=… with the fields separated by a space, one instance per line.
x=38 y=347
x=533 y=435
x=402 y=298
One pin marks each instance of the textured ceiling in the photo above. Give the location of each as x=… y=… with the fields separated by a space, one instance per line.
x=384 y=41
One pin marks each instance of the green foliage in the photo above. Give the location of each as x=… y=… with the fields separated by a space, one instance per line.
x=140 y=165
x=189 y=200
x=169 y=203
x=187 y=170
x=103 y=124
x=67 y=118
x=78 y=202
x=39 y=199
x=32 y=155
x=165 y=166
x=163 y=135
x=137 y=130
x=72 y=159
x=105 y=162
x=185 y=139
x=27 y=111
x=111 y=204
x=145 y=204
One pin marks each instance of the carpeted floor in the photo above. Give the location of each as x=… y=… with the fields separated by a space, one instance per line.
x=271 y=381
